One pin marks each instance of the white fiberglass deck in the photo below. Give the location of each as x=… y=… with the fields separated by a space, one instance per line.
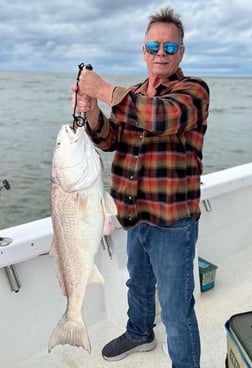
x=232 y=294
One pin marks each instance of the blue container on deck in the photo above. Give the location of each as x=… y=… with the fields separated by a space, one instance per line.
x=207 y=272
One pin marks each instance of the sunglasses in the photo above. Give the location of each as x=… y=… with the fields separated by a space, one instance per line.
x=170 y=48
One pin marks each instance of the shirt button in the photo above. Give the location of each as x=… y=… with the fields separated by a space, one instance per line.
x=131 y=177
x=130 y=198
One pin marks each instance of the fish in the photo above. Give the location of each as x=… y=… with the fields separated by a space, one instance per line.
x=79 y=207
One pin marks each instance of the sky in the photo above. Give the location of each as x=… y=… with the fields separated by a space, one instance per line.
x=57 y=35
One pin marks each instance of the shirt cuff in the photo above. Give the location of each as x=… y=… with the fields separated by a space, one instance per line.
x=102 y=129
x=98 y=129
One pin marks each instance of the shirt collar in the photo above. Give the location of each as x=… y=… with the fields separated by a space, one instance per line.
x=142 y=88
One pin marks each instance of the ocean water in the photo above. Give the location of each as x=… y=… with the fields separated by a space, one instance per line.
x=35 y=105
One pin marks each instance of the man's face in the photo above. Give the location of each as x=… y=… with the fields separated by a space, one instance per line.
x=161 y=64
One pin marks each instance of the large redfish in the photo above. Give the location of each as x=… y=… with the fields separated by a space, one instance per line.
x=79 y=205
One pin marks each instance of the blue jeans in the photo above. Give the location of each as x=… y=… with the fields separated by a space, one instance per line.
x=163 y=256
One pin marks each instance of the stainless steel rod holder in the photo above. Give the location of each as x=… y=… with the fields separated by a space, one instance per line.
x=106 y=245
x=207 y=205
x=12 y=277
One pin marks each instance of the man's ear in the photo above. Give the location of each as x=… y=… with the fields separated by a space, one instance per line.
x=182 y=51
x=144 y=52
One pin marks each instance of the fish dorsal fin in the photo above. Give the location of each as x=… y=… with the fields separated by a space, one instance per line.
x=96 y=276
x=53 y=253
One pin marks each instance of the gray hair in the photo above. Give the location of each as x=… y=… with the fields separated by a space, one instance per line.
x=167 y=15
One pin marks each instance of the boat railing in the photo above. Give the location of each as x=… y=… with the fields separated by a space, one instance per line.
x=33 y=239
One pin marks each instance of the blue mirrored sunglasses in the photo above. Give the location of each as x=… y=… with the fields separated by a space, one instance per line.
x=170 y=48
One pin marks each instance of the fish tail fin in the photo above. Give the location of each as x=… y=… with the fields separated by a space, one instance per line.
x=69 y=332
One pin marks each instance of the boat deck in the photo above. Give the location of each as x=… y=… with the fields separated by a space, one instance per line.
x=232 y=294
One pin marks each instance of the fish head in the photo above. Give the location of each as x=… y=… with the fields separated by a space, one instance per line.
x=76 y=163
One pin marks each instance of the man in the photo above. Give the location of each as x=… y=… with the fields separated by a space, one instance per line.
x=156 y=129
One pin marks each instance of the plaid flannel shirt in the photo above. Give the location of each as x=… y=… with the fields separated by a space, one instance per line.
x=158 y=141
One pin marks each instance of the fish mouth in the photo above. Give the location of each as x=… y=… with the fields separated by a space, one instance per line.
x=71 y=133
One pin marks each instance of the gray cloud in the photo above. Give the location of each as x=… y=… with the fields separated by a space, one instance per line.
x=57 y=35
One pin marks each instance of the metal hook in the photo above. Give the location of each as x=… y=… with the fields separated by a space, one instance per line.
x=79 y=120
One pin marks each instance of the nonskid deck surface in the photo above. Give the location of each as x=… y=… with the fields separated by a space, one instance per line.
x=232 y=294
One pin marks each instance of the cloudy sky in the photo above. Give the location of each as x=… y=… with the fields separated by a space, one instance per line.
x=56 y=35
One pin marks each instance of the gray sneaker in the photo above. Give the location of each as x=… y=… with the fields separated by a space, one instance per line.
x=121 y=347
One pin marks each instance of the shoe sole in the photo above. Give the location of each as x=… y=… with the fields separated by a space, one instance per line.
x=138 y=349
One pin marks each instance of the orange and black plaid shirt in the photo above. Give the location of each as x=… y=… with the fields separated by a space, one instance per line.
x=158 y=149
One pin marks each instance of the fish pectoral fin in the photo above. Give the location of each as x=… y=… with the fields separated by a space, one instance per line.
x=109 y=205
x=110 y=210
x=82 y=203
x=96 y=276
x=108 y=228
